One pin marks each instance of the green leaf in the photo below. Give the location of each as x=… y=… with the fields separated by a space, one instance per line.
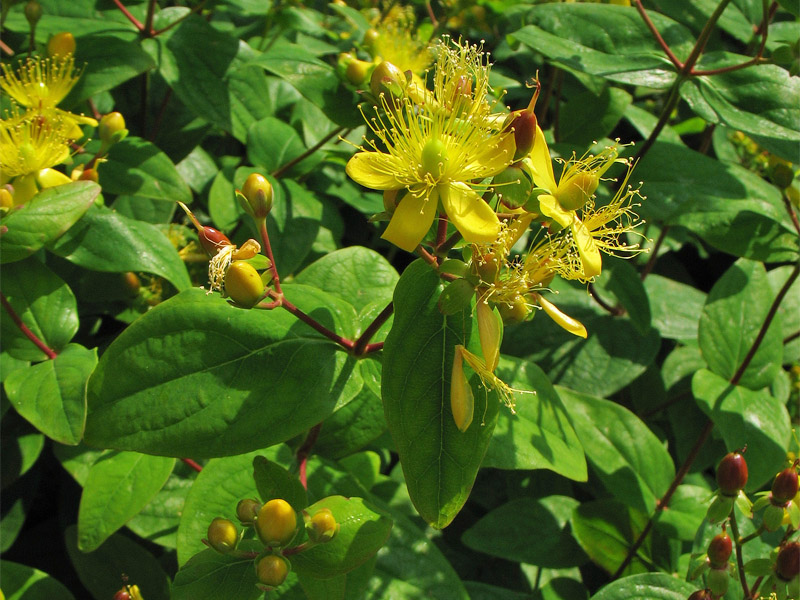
x=760 y=102
x=43 y=302
x=273 y=481
x=606 y=529
x=676 y=307
x=46 y=217
x=731 y=208
x=574 y=36
x=735 y=310
x=100 y=571
x=21 y=582
x=539 y=434
x=106 y=241
x=628 y=458
x=246 y=368
x=293 y=225
x=363 y=530
x=647 y=586
x=439 y=461
x=623 y=281
x=158 y=521
x=686 y=511
x=586 y=117
x=788 y=311
x=211 y=576
x=108 y=61
x=356 y=274
x=50 y=395
x=119 y=485
x=507 y=532
x=746 y=417
x=271 y=144
x=136 y=167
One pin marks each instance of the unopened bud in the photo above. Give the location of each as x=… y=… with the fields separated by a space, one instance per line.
x=243 y=284
x=256 y=197
x=355 y=71
x=247 y=510
x=785 y=486
x=387 y=79
x=112 y=128
x=272 y=570
x=719 y=550
x=701 y=595
x=732 y=474
x=222 y=535
x=276 y=523
x=61 y=44
x=322 y=526
x=33 y=12
x=370 y=37
x=6 y=199
x=523 y=123
x=787 y=565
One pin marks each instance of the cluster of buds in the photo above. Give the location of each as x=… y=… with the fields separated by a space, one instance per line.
x=717 y=565
x=781 y=502
x=276 y=526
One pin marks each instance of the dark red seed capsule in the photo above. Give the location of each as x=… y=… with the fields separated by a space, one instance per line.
x=784 y=488
x=787 y=566
x=212 y=240
x=732 y=474
x=701 y=595
x=719 y=550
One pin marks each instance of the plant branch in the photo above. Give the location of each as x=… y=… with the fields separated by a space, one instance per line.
x=376 y=347
x=427 y=257
x=189 y=462
x=195 y=9
x=443 y=249
x=51 y=354
x=614 y=310
x=651 y=262
x=276 y=280
x=791 y=337
x=148 y=20
x=6 y=48
x=310 y=321
x=362 y=343
x=136 y=22
x=651 y=26
x=283 y=168
x=304 y=451
x=792 y=214
x=702 y=39
x=739 y=559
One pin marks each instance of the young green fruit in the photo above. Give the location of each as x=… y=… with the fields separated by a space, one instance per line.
x=276 y=523
x=33 y=12
x=322 y=526
x=247 y=510
x=222 y=535
x=732 y=474
x=719 y=550
x=784 y=488
x=112 y=128
x=243 y=284
x=61 y=44
x=272 y=570
x=718 y=580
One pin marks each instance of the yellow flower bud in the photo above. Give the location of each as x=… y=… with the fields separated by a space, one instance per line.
x=322 y=526
x=243 y=284
x=490 y=331
x=272 y=570
x=387 y=79
x=112 y=128
x=276 y=523
x=257 y=191
x=370 y=37
x=6 y=199
x=357 y=71
x=222 y=535
x=61 y=44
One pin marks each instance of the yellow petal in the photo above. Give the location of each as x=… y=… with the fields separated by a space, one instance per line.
x=491 y=159
x=540 y=164
x=552 y=209
x=374 y=170
x=24 y=188
x=572 y=325
x=473 y=218
x=50 y=178
x=590 y=256
x=490 y=332
x=462 y=402
x=411 y=221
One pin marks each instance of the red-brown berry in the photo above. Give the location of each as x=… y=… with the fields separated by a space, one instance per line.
x=719 y=550
x=701 y=595
x=787 y=566
x=732 y=474
x=784 y=488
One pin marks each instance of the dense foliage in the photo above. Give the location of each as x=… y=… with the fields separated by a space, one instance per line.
x=499 y=299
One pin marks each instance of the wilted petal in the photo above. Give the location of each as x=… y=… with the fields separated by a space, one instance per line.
x=473 y=218
x=375 y=170
x=551 y=208
x=572 y=325
x=587 y=248
x=410 y=222
x=540 y=164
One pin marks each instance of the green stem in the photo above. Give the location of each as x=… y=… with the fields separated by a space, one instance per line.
x=702 y=40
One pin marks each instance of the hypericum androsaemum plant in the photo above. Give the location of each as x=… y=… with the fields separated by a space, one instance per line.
x=377 y=202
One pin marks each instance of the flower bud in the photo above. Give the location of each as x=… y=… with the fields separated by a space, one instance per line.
x=276 y=523
x=33 y=12
x=732 y=474
x=354 y=70
x=784 y=488
x=61 y=44
x=6 y=199
x=243 y=284
x=701 y=595
x=523 y=123
x=387 y=79
x=112 y=128
x=272 y=570
x=247 y=510
x=322 y=526
x=719 y=550
x=89 y=175
x=222 y=535
x=258 y=196
x=490 y=332
x=787 y=565
x=513 y=186
x=370 y=38
x=718 y=580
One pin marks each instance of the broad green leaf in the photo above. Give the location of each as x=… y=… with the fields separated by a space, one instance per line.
x=43 y=302
x=271 y=144
x=77 y=460
x=574 y=36
x=760 y=102
x=439 y=461
x=18 y=500
x=246 y=368
x=106 y=241
x=100 y=571
x=273 y=481
x=356 y=274
x=79 y=18
x=158 y=521
x=21 y=448
x=293 y=225
x=363 y=530
x=728 y=206
x=538 y=434
x=587 y=117
x=50 y=395
x=647 y=586
x=676 y=307
x=108 y=61
x=788 y=311
x=686 y=511
x=606 y=529
x=735 y=310
x=628 y=458
x=509 y=530
x=21 y=582
x=211 y=576
x=46 y=217
x=119 y=485
x=746 y=417
x=622 y=280
x=136 y=167
x=484 y=591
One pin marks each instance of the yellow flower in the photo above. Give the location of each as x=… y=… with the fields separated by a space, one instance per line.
x=435 y=153
x=393 y=41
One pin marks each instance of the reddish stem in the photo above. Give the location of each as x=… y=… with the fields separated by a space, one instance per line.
x=6 y=48
x=311 y=322
x=189 y=462
x=304 y=451
x=373 y=347
x=441 y=232
x=362 y=343
x=136 y=22
x=276 y=280
x=651 y=26
x=51 y=354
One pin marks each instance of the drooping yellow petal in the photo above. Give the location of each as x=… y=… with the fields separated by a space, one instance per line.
x=490 y=332
x=375 y=170
x=462 y=402
x=540 y=164
x=552 y=209
x=410 y=222
x=591 y=260
x=473 y=218
x=574 y=326
x=51 y=178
